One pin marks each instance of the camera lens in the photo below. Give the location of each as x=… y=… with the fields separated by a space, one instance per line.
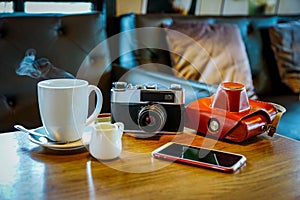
x=152 y=118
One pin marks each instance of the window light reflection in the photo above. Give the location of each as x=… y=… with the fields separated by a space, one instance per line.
x=57 y=7
x=6 y=7
x=16 y=170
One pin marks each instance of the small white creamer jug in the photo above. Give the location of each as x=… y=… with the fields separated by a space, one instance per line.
x=106 y=140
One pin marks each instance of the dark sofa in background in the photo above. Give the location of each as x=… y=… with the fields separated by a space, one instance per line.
x=66 y=40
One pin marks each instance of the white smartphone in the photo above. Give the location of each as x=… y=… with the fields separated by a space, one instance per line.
x=198 y=156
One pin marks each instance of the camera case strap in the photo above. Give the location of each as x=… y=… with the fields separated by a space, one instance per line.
x=260 y=117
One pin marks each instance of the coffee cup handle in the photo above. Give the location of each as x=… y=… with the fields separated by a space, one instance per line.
x=98 y=107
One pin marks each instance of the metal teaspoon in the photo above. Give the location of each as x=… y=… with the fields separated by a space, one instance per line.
x=40 y=137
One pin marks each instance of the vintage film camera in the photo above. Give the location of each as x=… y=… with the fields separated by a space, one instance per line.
x=147 y=109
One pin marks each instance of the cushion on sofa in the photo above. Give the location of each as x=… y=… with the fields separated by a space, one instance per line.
x=285 y=42
x=210 y=53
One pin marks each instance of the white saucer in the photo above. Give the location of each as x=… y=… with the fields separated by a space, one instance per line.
x=64 y=147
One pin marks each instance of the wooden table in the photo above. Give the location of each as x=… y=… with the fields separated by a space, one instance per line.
x=28 y=171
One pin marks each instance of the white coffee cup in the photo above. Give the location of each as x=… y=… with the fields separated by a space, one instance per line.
x=64 y=104
x=106 y=140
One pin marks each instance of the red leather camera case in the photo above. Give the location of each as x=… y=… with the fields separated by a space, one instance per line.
x=233 y=126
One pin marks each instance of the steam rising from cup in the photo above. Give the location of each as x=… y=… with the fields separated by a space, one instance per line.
x=39 y=68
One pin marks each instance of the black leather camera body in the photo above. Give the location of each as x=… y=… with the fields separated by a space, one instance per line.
x=147 y=109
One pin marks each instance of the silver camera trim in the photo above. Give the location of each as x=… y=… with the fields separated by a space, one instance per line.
x=132 y=94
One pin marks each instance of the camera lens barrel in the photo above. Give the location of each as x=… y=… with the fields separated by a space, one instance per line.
x=152 y=118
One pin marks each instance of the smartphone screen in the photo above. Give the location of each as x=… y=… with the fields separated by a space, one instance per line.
x=203 y=157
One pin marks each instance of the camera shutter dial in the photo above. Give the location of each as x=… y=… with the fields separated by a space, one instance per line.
x=119 y=85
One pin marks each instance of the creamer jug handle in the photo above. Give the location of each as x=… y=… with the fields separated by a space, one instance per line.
x=120 y=126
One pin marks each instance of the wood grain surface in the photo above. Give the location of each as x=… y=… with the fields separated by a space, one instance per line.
x=29 y=171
